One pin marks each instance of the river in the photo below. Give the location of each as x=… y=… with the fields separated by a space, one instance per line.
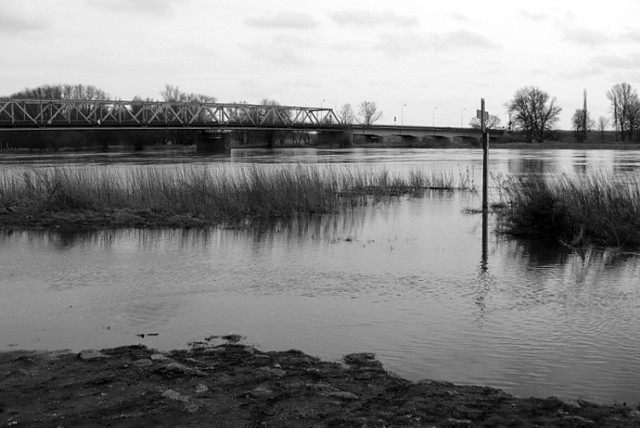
x=405 y=280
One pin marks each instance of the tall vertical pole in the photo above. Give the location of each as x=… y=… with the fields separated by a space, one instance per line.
x=485 y=189
x=485 y=159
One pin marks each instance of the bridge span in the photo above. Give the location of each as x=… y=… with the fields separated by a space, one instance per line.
x=372 y=133
x=30 y=114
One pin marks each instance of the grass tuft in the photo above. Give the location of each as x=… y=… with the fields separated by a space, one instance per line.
x=590 y=209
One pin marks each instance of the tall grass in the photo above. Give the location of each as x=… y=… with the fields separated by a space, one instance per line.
x=594 y=208
x=215 y=192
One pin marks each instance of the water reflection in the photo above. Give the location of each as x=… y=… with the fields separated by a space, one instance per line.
x=421 y=283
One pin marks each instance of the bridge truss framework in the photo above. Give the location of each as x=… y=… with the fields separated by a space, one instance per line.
x=29 y=114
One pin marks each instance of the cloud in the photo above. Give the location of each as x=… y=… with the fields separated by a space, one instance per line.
x=585 y=36
x=465 y=39
x=275 y=53
x=627 y=62
x=534 y=16
x=284 y=20
x=367 y=18
x=10 y=24
x=631 y=36
x=411 y=42
x=145 y=7
x=582 y=73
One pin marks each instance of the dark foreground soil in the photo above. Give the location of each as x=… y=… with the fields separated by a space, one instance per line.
x=236 y=385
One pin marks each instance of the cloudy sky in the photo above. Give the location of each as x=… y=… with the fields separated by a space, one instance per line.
x=437 y=57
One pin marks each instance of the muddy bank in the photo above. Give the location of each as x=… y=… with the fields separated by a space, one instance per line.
x=230 y=384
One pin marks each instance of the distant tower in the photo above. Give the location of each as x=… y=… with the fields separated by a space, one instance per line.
x=585 y=117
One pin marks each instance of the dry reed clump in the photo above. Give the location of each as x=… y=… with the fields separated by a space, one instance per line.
x=214 y=192
x=594 y=208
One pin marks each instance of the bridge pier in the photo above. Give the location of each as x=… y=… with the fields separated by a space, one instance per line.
x=331 y=139
x=214 y=142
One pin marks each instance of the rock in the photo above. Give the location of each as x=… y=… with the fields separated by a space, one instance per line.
x=364 y=359
x=201 y=388
x=345 y=395
x=321 y=386
x=459 y=421
x=158 y=357
x=143 y=362
x=176 y=396
x=261 y=392
x=272 y=371
x=573 y=418
x=232 y=338
x=17 y=373
x=361 y=358
x=262 y=359
x=180 y=369
x=91 y=354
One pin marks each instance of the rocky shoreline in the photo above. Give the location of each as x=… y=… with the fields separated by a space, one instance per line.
x=234 y=385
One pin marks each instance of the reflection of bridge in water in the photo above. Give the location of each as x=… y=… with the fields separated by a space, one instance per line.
x=215 y=120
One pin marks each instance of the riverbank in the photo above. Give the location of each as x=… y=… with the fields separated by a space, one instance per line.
x=230 y=384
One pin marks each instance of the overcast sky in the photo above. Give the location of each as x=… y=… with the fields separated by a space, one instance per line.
x=437 y=57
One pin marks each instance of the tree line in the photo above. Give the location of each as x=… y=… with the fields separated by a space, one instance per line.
x=534 y=112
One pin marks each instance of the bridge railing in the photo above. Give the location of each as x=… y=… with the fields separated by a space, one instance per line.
x=32 y=113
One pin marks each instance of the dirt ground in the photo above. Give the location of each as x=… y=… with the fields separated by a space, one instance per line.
x=230 y=384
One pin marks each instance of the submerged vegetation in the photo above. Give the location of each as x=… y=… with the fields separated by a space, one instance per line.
x=188 y=195
x=589 y=209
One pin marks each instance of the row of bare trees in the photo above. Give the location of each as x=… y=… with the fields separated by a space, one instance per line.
x=534 y=112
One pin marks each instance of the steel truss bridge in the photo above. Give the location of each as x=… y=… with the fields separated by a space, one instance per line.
x=32 y=114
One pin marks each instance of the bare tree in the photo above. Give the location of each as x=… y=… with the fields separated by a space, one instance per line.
x=603 y=122
x=63 y=92
x=534 y=112
x=369 y=113
x=346 y=115
x=582 y=124
x=626 y=109
x=493 y=122
x=172 y=93
x=581 y=121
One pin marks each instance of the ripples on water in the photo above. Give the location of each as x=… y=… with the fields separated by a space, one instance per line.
x=401 y=280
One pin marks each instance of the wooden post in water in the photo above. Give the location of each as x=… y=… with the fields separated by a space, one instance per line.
x=485 y=186
x=485 y=157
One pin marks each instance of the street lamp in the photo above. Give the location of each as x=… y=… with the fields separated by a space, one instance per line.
x=402 y=114
x=321 y=102
x=433 y=117
x=402 y=117
x=461 y=113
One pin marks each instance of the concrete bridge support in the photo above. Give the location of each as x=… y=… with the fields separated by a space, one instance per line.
x=214 y=142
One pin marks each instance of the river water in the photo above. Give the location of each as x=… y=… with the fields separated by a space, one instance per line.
x=408 y=281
